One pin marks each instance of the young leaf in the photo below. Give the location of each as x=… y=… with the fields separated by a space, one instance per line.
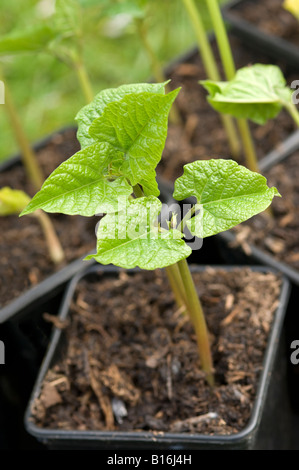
x=82 y=185
x=257 y=93
x=12 y=201
x=132 y=238
x=227 y=194
x=94 y=110
x=137 y=126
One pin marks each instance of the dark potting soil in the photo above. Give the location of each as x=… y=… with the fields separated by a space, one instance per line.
x=130 y=360
x=270 y=17
x=278 y=235
x=24 y=259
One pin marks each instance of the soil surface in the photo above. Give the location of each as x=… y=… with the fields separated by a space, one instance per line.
x=277 y=236
x=270 y=17
x=131 y=360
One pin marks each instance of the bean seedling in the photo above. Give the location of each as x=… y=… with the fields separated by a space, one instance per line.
x=122 y=135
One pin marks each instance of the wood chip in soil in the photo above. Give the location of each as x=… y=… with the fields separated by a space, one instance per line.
x=130 y=359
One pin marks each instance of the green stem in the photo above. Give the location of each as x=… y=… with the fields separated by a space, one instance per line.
x=212 y=72
x=222 y=39
x=155 y=65
x=249 y=149
x=197 y=317
x=293 y=111
x=84 y=80
x=185 y=219
x=29 y=159
x=55 y=249
x=230 y=72
x=176 y=285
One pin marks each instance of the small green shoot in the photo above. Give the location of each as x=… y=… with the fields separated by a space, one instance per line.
x=115 y=174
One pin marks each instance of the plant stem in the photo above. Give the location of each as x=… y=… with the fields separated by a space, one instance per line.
x=29 y=159
x=83 y=80
x=155 y=65
x=35 y=176
x=249 y=148
x=222 y=39
x=212 y=72
x=54 y=246
x=176 y=285
x=197 y=317
x=230 y=72
x=293 y=111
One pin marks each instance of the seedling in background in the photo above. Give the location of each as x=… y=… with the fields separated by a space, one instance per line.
x=122 y=135
x=13 y=201
x=228 y=65
x=257 y=92
x=211 y=68
x=137 y=9
x=61 y=35
x=34 y=175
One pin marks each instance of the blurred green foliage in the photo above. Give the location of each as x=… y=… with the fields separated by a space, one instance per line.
x=46 y=91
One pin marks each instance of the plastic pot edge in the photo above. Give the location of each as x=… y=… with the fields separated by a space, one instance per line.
x=273 y=46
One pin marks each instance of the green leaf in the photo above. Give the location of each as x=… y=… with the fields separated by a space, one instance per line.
x=137 y=126
x=12 y=201
x=32 y=40
x=150 y=186
x=81 y=185
x=257 y=93
x=94 y=110
x=134 y=8
x=227 y=194
x=67 y=16
x=132 y=238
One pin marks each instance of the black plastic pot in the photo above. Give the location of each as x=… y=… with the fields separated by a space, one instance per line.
x=39 y=295
x=275 y=47
x=269 y=426
x=257 y=255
